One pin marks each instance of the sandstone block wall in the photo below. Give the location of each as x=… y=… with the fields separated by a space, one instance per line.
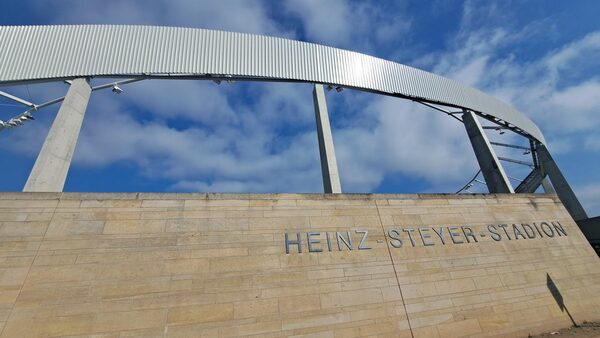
x=198 y=265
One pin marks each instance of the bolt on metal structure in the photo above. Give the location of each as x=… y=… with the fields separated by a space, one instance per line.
x=32 y=54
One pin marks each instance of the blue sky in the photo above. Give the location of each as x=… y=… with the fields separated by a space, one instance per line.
x=543 y=57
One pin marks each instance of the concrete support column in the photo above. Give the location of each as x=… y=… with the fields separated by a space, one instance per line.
x=548 y=189
x=52 y=164
x=329 y=169
x=560 y=184
x=495 y=177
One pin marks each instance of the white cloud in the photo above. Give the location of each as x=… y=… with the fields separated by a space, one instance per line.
x=592 y=142
x=558 y=90
x=249 y=16
x=545 y=90
x=198 y=101
x=408 y=140
x=560 y=145
x=471 y=73
x=220 y=156
x=324 y=20
x=27 y=140
x=284 y=104
x=251 y=153
x=349 y=24
x=542 y=88
x=583 y=49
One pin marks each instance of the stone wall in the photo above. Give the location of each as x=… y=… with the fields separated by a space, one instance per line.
x=198 y=265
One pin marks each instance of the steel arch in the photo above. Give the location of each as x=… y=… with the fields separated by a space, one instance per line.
x=47 y=53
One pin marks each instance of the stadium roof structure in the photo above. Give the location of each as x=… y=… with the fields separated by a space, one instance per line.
x=30 y=54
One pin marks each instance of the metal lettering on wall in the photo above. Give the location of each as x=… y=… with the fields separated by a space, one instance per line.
x=315 y=241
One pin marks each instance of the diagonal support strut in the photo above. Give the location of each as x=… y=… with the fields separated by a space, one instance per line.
x=495 y=177
x=50 y=170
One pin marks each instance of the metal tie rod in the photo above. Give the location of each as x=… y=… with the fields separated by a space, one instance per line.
x=509 y=145
x=17 y=99
x=516 y=161
x=36 y=107
x=449 y=113
x=470 y=183
x=516 y=179
x=495 y=127
x=60 y=99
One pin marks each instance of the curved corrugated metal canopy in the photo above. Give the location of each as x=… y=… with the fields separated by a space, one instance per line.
x=44 y=53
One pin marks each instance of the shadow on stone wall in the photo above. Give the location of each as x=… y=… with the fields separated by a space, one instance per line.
x=558 y=297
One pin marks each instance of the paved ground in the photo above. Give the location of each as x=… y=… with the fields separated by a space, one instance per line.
x=585 y=330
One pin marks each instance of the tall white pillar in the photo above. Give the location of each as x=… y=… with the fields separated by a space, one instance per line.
x=495 y=177
x=52 y=164
x=329 y=169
